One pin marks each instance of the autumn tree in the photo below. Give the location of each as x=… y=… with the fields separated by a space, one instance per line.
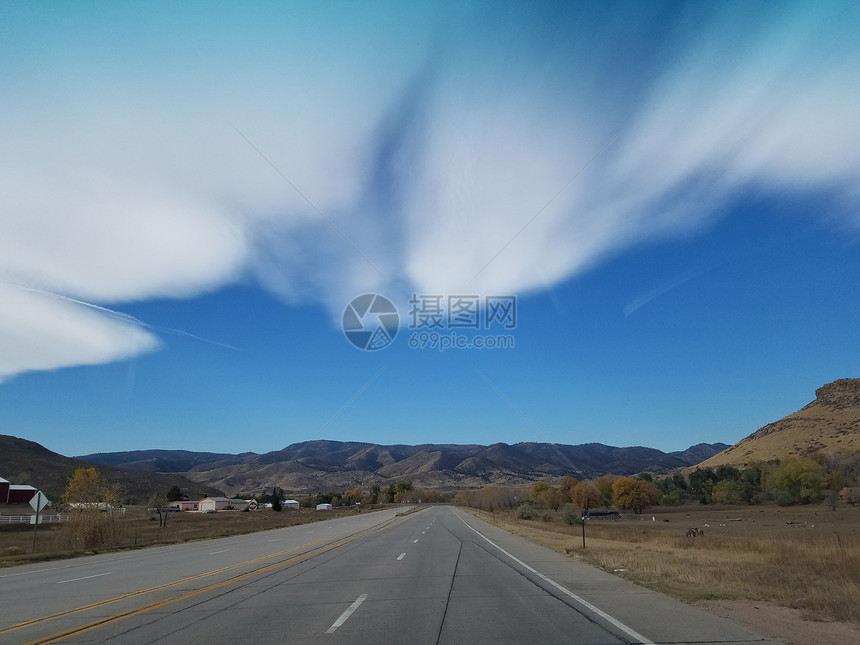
x=566 y=487
x=603 y=486
x=728 y=492
x=96 y=517
x=552 y=497
x=353 y=496
x=538 y=488
x=585 y=495
x=86 y=486
x=634 y=494
x=489 y=499
x=799 y=479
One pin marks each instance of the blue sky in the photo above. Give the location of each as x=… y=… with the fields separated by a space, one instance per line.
x=191 y=194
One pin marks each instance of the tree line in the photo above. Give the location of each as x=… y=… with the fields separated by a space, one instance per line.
x=402 y=491
x=829 y=477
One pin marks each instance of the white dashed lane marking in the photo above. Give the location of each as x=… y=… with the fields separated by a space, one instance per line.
x=98 y=575
x=345 y=615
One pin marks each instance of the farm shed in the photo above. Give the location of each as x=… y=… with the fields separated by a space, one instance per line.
x=290 y=503
x=323 y=507
x=20 y=494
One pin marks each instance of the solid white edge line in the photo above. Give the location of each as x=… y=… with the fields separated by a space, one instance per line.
x=401 y=556
x=98 y=575
x=217 y=552
x=346 y=614
x=582 y=601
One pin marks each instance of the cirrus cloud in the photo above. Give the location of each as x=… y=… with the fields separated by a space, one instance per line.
x=453 y=149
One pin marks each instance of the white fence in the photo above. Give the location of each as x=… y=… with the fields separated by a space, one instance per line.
x=28 y=519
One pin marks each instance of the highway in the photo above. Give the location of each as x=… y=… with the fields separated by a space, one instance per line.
x=438 y=575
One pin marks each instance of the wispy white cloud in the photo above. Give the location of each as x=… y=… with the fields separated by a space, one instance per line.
x=652 y=294
x=430 y=159
x=40 y=332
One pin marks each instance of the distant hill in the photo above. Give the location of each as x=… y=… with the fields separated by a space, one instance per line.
x=162 y=461
x=828 y=424
x=315 y=466
x=27 y=462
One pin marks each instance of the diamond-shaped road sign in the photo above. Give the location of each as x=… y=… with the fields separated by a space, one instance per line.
x=39 y=501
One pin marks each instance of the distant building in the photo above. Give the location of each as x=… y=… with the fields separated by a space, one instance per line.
x=323 y=507
x=184 y=505
x=290 y=503
x=222 y=504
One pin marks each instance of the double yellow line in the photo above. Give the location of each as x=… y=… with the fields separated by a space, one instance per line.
x=187 y=594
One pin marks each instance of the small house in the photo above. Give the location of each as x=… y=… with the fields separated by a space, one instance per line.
x=211 y=504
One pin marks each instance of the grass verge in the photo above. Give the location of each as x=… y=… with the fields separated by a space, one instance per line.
x=803 y=558
x=138 y=530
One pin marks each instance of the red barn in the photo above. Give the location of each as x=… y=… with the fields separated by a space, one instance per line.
x=21 y=494
x=15 y=493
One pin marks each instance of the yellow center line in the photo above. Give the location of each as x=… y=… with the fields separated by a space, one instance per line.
x=81 y=629
x=134 y=594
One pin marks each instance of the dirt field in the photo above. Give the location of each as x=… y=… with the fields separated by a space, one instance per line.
x=792 y=573
x=138 y=530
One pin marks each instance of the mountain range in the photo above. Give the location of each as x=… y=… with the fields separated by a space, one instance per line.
x=830 y=423
x=316 y=466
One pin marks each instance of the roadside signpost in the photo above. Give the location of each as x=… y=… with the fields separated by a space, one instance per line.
x=38 y=502
x=252 y=506
x=583 y=517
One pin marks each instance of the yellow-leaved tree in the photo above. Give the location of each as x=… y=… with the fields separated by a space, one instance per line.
x=634 y=494
x=95 y=517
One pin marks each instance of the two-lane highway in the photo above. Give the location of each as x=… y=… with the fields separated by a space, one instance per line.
x=435 y=576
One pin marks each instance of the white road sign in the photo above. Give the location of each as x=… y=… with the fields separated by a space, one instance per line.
x=39 y=501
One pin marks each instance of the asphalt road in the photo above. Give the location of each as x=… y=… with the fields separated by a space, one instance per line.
x=435 y=576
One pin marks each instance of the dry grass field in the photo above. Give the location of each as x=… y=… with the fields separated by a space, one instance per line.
x=138 y=530
x=806 y=558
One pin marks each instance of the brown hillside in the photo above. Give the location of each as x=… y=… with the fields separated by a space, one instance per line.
x=831 y=423
x=27 y=462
